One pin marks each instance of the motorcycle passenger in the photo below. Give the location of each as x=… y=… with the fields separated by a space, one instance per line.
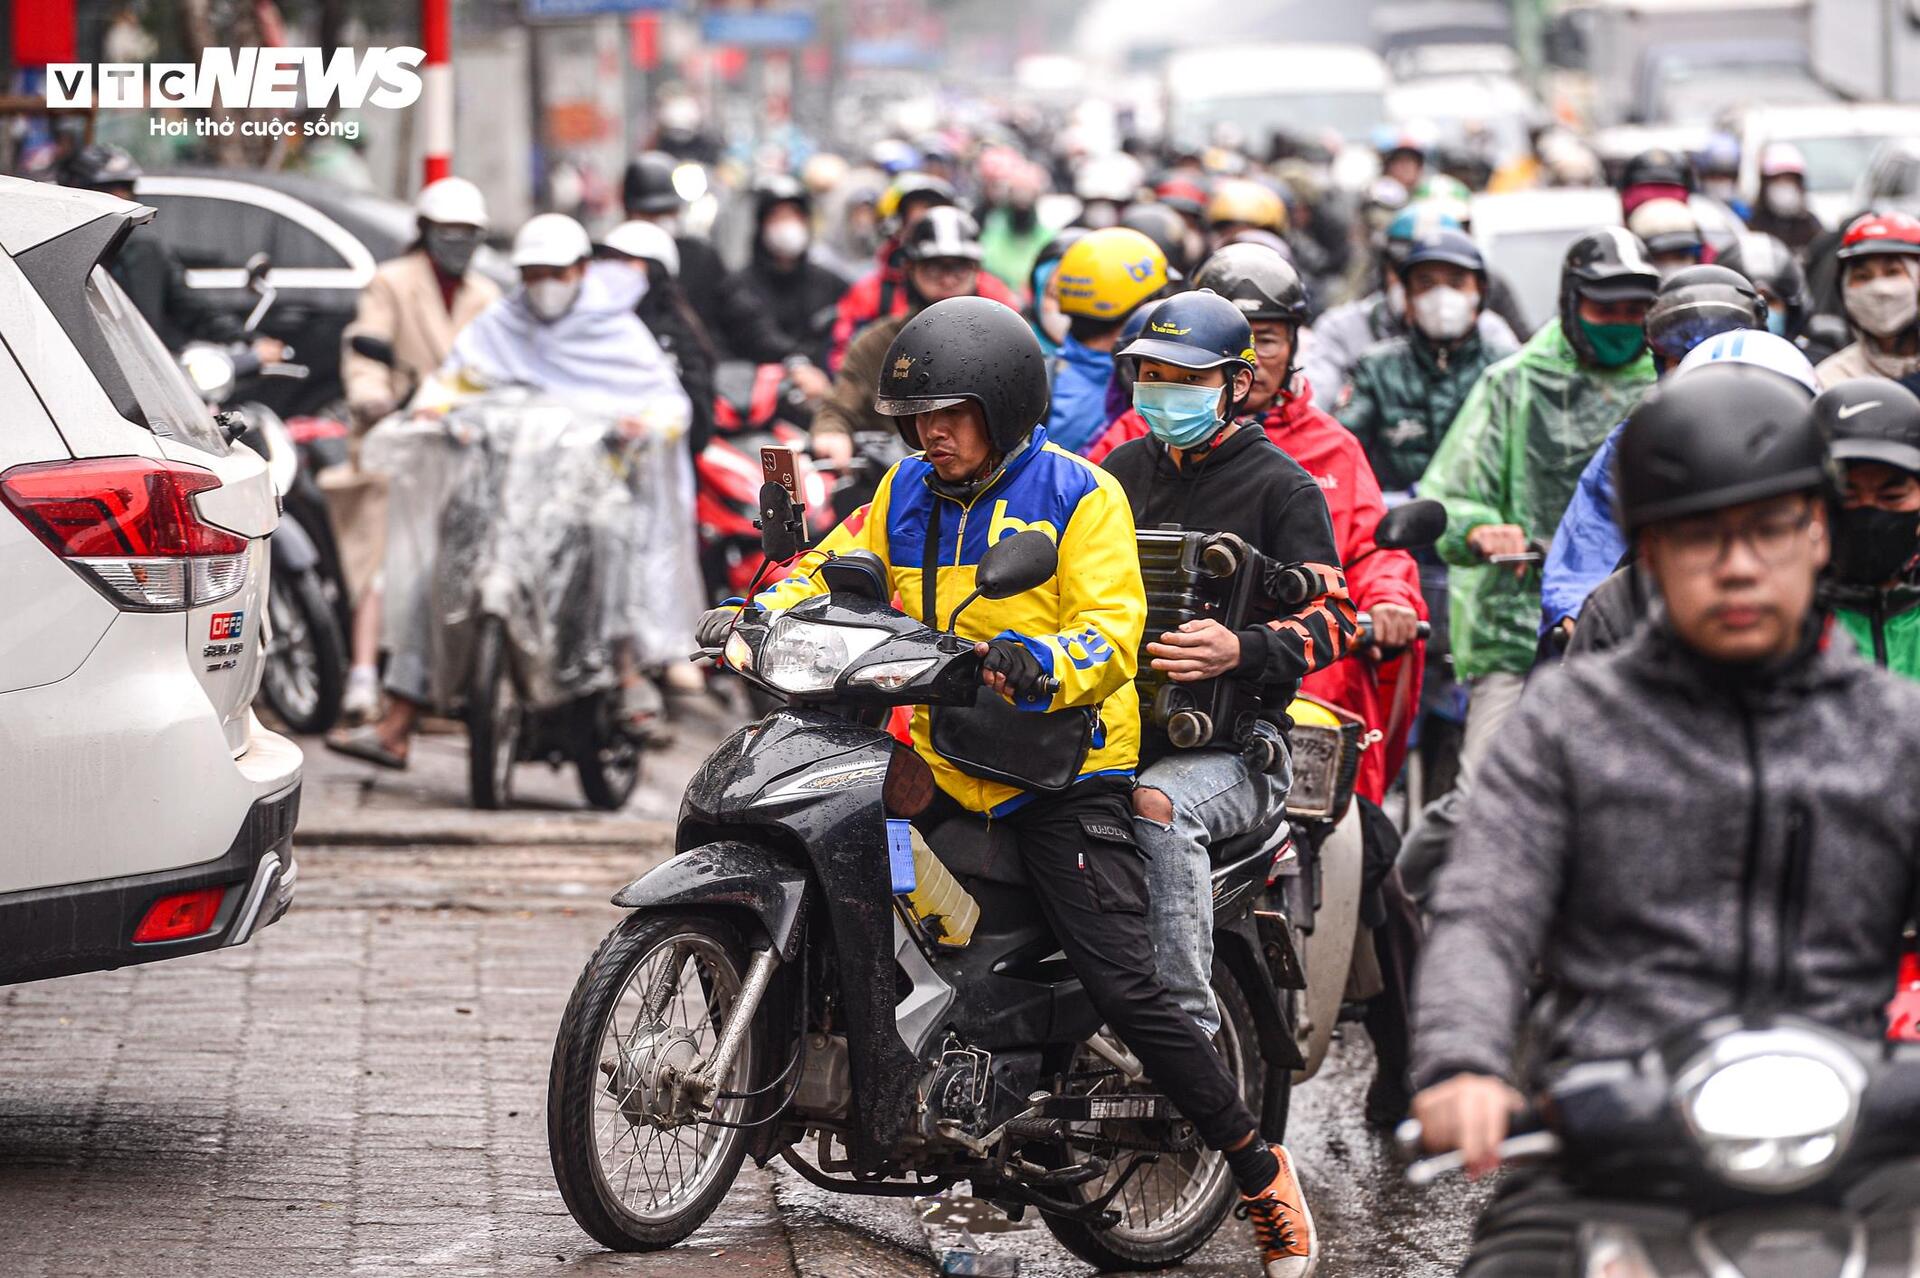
x=1671 y=234
x=1101 y=280
x=779 y=306
x=1879 y=261
x=1642 y=833
x=1404 y=392
x=1206 y=468
x=417 y=304
x=1874 y=581
x=569 y=330
x=668 y=315
x=942 y=256
x=648 y=194
x=1694 y=305
x=882 y=292
x=1510 y=464
x=1346 y=332
x=965 y=381
x=1782 y=212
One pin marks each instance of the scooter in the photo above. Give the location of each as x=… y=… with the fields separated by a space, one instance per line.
x=801 y=974
x=308 y=609
x=1742 y=1148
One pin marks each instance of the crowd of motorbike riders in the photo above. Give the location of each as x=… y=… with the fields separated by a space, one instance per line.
x=1678 y=591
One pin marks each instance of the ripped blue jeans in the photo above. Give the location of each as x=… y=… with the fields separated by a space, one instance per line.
x=1215 y=796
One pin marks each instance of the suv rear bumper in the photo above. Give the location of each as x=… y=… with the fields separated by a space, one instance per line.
x=88 y=927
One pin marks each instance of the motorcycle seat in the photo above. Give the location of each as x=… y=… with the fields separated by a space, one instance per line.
x=977 y=849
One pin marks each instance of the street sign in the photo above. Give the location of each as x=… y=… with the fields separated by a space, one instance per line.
x=549 y=10
x=758 y=28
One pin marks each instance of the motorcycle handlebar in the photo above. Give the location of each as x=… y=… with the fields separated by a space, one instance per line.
x=1527 y=1139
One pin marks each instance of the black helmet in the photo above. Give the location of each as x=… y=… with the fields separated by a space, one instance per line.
x=1194 y=330
x=648 y=184
x=1606 y=265
x=966 y=348
x=1164 y=227
x=1697 y=302
x=1772 y=266
x=1871 y=419
x=1257 y=280
x=945 y=232
x=776 y=189
x=99 y=167
x=1658 y=167
x=1717 y=437
x=1444 y=244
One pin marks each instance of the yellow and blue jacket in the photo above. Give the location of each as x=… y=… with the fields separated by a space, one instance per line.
x=1084 y=625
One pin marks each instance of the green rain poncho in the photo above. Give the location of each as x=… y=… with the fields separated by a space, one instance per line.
x=1884 y=624
x=1513 y=456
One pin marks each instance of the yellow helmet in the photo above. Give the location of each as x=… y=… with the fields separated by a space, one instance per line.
x=1246 y=202
x=912 y=186
x=1109 y=272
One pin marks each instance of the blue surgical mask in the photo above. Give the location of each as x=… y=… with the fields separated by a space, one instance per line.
x=1179 y=415
x=1777 y=322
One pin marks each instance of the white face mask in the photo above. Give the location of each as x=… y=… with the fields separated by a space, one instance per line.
x=1785 y=197
x=1444 y=314
x=785 y=238
x=1885 y=306
x=550 y=299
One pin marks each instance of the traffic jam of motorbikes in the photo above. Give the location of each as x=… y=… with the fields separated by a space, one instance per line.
x=961 y=638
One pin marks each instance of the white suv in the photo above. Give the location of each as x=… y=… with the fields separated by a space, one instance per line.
x=144 y=812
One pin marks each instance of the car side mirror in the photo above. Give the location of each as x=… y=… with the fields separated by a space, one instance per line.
x=1412 y=525
x=1016 y=564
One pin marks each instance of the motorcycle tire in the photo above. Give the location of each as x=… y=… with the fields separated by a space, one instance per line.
x=582 y=1081
x=493 y=719
x=1125 y=1248
x=607 y=758
x=306 y=670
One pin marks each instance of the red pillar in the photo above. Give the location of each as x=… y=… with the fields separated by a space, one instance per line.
x=436 y=93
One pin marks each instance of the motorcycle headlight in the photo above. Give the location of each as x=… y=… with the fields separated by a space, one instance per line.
x=805 y=656
x=1772 y=1110
x=211 y=371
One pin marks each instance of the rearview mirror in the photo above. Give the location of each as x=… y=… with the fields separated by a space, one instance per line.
x=778 y=519
x=257 y=267
x=1014 y=565
x=1412 y=525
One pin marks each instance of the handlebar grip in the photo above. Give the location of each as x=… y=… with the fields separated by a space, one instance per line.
x=1424 y=630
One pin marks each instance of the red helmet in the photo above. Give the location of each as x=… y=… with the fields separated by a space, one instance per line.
x=1874 y=233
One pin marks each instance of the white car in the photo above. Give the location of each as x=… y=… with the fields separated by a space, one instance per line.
x=1524 y=237
x=147 y=813
x=1838 y=142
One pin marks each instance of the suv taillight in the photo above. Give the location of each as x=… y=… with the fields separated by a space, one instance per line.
x=128 y=525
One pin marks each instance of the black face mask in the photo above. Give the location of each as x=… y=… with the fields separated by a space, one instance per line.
x=1871 y=546
x=1022 y=217
x=450 y=251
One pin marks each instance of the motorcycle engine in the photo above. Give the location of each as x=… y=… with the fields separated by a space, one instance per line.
x=969 y=1092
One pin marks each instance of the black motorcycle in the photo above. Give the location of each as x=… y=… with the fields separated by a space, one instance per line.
x=779 y=986
x=309 y=611
x=1745 y=1147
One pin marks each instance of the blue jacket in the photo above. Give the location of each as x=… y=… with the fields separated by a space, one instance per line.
x=1077 y=416
x=1588 y=545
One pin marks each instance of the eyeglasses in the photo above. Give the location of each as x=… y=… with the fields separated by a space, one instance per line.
x=1699 y=545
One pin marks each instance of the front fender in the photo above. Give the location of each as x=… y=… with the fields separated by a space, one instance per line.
x=738 y=877
x=292 y=550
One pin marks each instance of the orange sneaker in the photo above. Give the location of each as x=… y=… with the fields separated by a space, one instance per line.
x=1282 y=1225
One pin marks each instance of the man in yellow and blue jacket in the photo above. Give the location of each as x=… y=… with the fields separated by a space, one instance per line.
x=966 y=382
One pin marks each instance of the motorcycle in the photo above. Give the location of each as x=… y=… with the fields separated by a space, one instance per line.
x=804 y=972
x=1743 y=1147
x=755 y=406
x=519 y=510
x=308 y=606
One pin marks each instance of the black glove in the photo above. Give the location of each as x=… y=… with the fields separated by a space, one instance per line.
x=1026 y=677
x=711 y=631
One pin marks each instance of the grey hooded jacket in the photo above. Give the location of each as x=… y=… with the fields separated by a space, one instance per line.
x=1669 y=841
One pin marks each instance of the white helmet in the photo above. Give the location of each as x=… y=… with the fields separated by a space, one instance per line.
x=1752 y=346
x=452 y=200
x=645 y=240
x=551 y=239
x=1666 y=226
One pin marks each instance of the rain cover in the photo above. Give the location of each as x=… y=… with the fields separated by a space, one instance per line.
x=524 y=506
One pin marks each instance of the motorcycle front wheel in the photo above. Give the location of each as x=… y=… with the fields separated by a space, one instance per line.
x=637 y=1172
x=493 y=719
x=1170 y=1207
x=306 y=670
